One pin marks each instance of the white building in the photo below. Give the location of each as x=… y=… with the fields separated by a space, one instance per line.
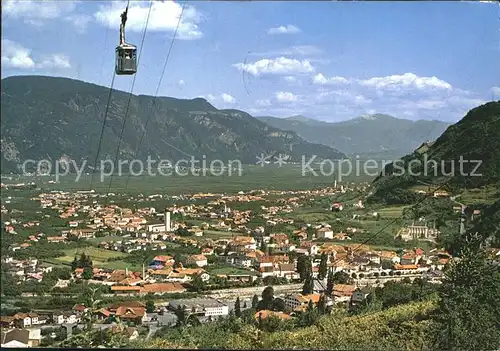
x=201 y=306
x=324 y=233
x=156 y=228
x=168 y=227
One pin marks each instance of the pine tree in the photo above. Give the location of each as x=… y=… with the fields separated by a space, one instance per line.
x=323 y=266
x=308 y=287
x=322 y=304
x=304 y=267
x=329 y=284
x=74 y=264
x=150 y=306
x=255 y=301
x=237 y=307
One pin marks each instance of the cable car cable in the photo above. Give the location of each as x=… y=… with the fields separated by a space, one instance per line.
x=157 y=91
x=102 y=128
x=104 y=121
x=131 y=91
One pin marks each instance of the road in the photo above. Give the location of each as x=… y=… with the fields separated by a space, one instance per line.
x=250 y=292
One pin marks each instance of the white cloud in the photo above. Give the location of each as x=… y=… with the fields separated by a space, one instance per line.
x=14 y=55
x=495 y=91
x=263 y=103
x=406 y=96
x=228 y=99
x=224 y=98
x=303 y=50
x=55 y=61
x=406 y=80
x=287 y=29
x=80 y=21
x=181 y=83
x=163 y=18
x=39 y=12
x=280 y=65
x=321 y=79
x=285 y=96
x=290 y=79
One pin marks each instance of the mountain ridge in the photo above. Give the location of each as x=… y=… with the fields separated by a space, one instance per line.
x=371 y=134
x=46 y=117
x=474 y=139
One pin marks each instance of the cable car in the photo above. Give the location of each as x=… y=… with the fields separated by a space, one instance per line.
x=126 y=54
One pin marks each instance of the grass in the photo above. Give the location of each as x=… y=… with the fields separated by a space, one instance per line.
x=227 y=270
x=391 y=212
x=100 y=258
x=109 y=238
x=252 y=177
x=215 y=234
x=486 y=195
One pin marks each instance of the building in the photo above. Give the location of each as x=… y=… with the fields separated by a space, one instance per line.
x=359 y=295
x=156 y=228
x=324 y=233
x=418 y=232
x=201 y=306
x=168 y=227
x=295 y=301
x=199 y=260
x=22 y=338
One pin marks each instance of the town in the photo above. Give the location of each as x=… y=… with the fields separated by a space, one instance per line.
x=200 y=253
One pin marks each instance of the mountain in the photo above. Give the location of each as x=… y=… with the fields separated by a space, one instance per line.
x=466 y=155
x=48 y=117
x=369 y=135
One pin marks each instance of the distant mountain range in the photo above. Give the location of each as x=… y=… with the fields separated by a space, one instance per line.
x=474 y=140
x=371 y=136
x=49 y=118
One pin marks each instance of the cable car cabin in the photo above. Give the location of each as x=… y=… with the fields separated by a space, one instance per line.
x=126 y=59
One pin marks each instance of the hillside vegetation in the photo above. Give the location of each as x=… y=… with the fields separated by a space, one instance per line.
x=474 y=139
x=401 y=327
x=48 y=117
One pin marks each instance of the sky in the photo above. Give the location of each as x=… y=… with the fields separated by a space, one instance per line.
x=330 y=61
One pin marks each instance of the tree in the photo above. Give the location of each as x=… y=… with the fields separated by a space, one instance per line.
x=74 y=264
x=308 y=287
x=150 y=306
x=278 y=305
x=322 y=304
x=323 y=267
x=85 y=261
x=237 y=307
x=304 y=267
x=181 y=315
x=468 y=317
x=329 y=284
x=342 y=278
x=92 y=303
x=197 y=283
x=267 y=299
x=87 y=273
x=255 y=301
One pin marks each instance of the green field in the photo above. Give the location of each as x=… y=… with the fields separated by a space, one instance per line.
x=215 y=234
x=109 y=238
x=288 y=177
x=391 y=212
x=100 y=258
x=227 y=270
